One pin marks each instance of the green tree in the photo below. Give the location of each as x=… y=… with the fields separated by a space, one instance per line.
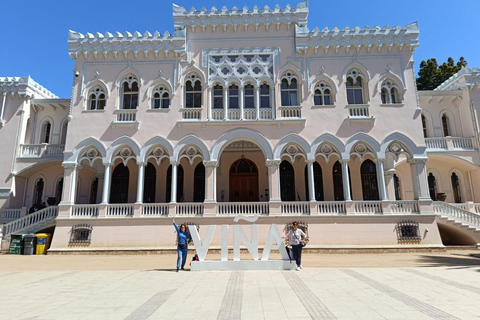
x=431 y=75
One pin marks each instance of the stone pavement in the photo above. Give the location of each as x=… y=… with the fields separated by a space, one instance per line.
x=358 y=286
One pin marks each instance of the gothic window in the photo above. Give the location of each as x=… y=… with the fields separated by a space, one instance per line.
x=323 y=94
x=160 y=98
x=396 y=187
x=119 y=188
x=355 y=87
x=264 y=96
x=432 y=186
x=369 y=180
x=446 y=126
x=338 y=182
x=193 y=91
x=218 y=97
x=233 y=97
x=457 y=197
x=149 y=184
x=46 y=132
x=58 y=191
x=287 y=181
x=94 y=191
x=199 y=183
x=424 y=126
x=63 y=137
x=249 y=97
x=289 y=89
x=317 y=181
x=37 y=200
x=96 y=99
x=390 y=92
x=179 y=184
x=129 y=92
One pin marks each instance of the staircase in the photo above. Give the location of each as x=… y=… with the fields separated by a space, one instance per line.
x=31 y=223
x=463 y=219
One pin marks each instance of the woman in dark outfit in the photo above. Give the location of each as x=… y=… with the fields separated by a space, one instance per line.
x=295 y=238
x=184 y=239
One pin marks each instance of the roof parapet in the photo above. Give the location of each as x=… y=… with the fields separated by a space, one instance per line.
x=452 y=82
x=25 y=86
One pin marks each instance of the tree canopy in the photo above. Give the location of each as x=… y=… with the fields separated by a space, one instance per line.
x=431 y=75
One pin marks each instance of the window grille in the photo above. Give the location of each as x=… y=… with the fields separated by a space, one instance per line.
x=408 y=231
x=81 y=233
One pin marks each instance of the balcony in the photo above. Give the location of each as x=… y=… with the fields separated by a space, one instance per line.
x=126 y=117
x=450 y=144
x=41 y=150
x=359 y=113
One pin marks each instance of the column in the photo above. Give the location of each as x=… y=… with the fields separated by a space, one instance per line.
x=173 y=193
x=68 y=180
x=210 y=181
x=141 y=180
x=257 y=102
x=390 y=184
x=346 y=179
x=274 y=180
x=73 y=183
x=382 y=190
x=419 y=178
x=3 y=109
x=225 y=103
x=210 y=105
x=242 y=101
x=101 y=178
x=311 y=180
x=107 y=182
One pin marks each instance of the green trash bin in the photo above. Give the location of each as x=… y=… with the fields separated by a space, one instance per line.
x=29 y=244
x=16 y=244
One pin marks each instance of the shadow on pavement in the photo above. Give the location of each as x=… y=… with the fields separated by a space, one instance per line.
x=462 y=261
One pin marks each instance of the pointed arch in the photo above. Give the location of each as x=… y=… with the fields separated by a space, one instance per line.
x=406 y=141
x=292 y=138
x=356 y=65
x=193 y=69
x=401 y=86
x=184 y=142
x=125 y=72
x=361 y=136
x=161 y=81
x=429 y=122
x=152 y=143
x=91 y=84
x=122 y=141
x=87 y=143
x=285 y=68
x=324 y=77
x=450 y=122
x=330 y=138
x=241 y=134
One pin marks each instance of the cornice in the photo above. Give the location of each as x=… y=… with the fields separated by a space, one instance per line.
x=453 y=82
x=406 y=36
x=101 y=44
x=25 y=86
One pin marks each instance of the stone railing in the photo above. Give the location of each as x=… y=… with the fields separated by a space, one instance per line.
x=10 y=214
x=30 y=221
x=41 y=150
x=296 y=207
x=462 y=143
x=191 y=113
x=358 y=111
x=446 y=143
x=225 y=208
x=331 y=207
x=126 y=115
x=291 y=112
x=120 y=210
x=218 y=114
x=404 y=207
x=233 y=114
x=458 y=214
x=250 y=114
x=85 y=210
x=155 y=209
x=367 y=207
x=189 y=209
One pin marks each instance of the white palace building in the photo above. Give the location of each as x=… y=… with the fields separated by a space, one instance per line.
x=243 y=111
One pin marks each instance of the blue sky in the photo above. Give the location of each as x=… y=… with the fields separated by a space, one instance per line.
x=33 y=33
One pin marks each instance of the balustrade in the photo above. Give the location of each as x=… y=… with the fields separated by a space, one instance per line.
x=191 y=113
x=189 y=209
x=358 y=111
x=155 y=209
x=242 y=208
x=300 y=207
x=126 y=115
x=120 y=210
x=233 y=114
x=331 y=207
x=404 y=207
x=457 y=213
x=291 y=112
x=436 y=143
x=41 y=150
x=462 y=143
x=368 y=207
x=217 y=114
x=30 y=220
x=85 y=210
x=11 y=214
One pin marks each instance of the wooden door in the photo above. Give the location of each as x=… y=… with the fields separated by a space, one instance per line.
x=243 y=185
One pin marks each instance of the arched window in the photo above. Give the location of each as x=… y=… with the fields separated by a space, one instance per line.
x=424 y=126
x=369 y=180
x=355 y=87
x=119 y=188
x=287 y=181
x=160 y=98
x=390 y=92
x=94 y=191
x=323 y=94
x=46 y=132
x=218 y=97
x=446 y=126
x=193 y=91
x=265 y=96
x=233 y=97
x=289 y=89
x=338 y=182
x=249 y=97
x=396 y=187
x=179 y=184
x=130 y=92
x=199 y=183
x=457 y=196
x=317 y=181
x=149 y=184
x=37 y=200
x=58 y=191
x=432 y=186
x=63 y=138
x=96 y=99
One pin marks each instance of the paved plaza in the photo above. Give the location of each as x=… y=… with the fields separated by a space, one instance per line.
x=331 y=286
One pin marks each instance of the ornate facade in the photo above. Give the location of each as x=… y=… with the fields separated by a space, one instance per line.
x=243 y=111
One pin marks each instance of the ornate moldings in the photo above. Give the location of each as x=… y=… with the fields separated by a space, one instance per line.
x=90 y=155
x=24 y=86
x=191 y=152
x=415 y=161
x=326 y=150
x=361 y=149
x=293 y=151
x=210 y=164
x=273 y=163
x=124 y=154
x=158 y=153
x=5 y=192
x=396 y=149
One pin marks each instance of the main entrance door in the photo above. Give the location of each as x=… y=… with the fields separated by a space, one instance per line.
x=243 y=181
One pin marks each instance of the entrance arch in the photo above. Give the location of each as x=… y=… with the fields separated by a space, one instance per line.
x=120 y=180
x=243 y=179
x=287 y=181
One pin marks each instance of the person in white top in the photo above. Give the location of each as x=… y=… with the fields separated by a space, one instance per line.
x=295 y=238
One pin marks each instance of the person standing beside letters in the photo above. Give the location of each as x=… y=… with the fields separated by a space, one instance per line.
x=295 y=238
